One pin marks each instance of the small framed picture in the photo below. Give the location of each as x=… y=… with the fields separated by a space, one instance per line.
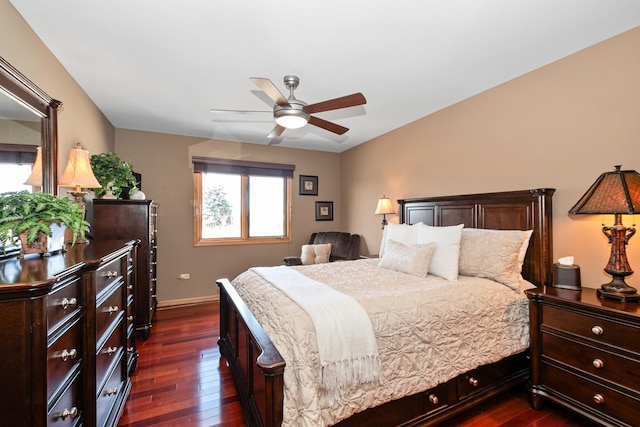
x=308 y=185
x=324 y=211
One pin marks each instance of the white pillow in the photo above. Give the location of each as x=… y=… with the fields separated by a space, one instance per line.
x=494 y=254
x=414 y=259
x=403 y=233
x=315 y=254
x=445 y=260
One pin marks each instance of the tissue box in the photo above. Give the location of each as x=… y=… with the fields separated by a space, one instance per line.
x=566 y=277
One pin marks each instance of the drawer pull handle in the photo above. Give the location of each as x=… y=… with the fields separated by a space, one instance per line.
x=433 y=399
x=112 y=309
x=110 y=350
x=130 y=318
x=598 y=363
x=473 y=382
x=129 y=349
x=598 y=398
x=597 y=330
x=68 y=354
x=69 y=413
x=111 y=391
x=68 y=303
x=111 y=274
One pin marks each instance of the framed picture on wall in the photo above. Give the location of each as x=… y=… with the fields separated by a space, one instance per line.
x=324 y=211
x=308 y=185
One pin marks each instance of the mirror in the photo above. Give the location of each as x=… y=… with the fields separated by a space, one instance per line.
x=27 y=101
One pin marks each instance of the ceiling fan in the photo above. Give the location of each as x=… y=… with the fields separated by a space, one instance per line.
x=292 y=113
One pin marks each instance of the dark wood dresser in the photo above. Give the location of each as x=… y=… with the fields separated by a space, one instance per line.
x=134 y=219
x=66 y=350
x=585 y=354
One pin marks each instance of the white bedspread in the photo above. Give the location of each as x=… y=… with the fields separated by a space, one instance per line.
x=428 y=331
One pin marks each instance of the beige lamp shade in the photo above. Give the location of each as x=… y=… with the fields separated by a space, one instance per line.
x=35 y=179
x=78 y=173
x=384 y=207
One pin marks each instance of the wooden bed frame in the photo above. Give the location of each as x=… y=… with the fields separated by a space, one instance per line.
x=258 y=368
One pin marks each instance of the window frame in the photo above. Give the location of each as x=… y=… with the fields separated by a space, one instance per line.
x=244 y=169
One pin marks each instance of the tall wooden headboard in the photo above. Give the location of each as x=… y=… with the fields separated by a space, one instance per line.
x=510 y=210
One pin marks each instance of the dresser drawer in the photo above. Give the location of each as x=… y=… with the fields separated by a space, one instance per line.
x=63 y=303
x=106 y=274
x=108 y=311
x=63 y=355
x=596 y=397
x=592 y=328
x=107 y=356
x=109 y=394
x=598 y=362
x=69 y=409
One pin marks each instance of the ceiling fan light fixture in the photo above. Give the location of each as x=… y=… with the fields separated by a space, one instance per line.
x=291 y=118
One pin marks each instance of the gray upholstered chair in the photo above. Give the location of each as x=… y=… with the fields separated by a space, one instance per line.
x=344 y=246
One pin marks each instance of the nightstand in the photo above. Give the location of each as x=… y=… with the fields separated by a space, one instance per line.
x=585 y=354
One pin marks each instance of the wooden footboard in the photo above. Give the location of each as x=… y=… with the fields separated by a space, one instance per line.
x=256 y=365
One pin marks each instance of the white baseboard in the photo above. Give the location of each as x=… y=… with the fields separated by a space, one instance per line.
x=162 y=305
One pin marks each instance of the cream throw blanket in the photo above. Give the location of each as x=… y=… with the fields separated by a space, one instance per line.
x=347 y=345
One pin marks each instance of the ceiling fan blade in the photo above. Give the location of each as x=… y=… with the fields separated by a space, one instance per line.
x=277 y=131
x=218 y=111
x=271 y=90
x=337 y=103
x=330 y=126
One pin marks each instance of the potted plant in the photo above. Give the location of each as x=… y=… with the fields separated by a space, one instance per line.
x=33 y=218
x=113 y=174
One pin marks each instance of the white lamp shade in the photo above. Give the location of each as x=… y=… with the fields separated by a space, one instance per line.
x=78 y=173
x=35 y=179
x=384 y=207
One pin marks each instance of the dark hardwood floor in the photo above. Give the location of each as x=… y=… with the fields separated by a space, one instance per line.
x=181 y=381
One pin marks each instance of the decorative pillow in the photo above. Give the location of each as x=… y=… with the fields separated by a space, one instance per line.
x=315 y=254
x=445 y=260
x=494 y=254
x=402 y=233
x=414 y=259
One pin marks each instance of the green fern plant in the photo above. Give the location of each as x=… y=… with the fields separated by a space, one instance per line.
x=35 y=212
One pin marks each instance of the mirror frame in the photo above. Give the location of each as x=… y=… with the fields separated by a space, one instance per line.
x=22 y=90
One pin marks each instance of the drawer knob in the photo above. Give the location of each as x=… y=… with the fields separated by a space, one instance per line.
x=597 y=330
x=598 y=363
x=473 y=382
x=68 y=354
x=130 y=318
x=112 y=309
x=69 y=413
x=598 y=398
x=433 y=399
x=111 y=391
x=68 y=303
x=111 y=274
x=110 y=350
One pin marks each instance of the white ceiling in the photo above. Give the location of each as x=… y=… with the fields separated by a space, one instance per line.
x=160 y=65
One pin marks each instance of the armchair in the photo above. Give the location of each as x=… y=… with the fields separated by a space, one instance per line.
x=344 y=246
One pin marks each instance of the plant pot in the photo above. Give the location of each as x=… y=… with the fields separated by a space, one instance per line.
x=43 y=244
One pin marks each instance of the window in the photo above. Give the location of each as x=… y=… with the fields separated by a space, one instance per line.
x=241 y=202
x=16 y=162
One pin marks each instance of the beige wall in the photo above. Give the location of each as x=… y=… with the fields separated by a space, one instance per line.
x=167 y=177
x=560 y=126
x=79 y=120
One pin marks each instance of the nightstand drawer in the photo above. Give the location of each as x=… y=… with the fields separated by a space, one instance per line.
x=592 y=328
x=605 y=400
x=597 y=362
